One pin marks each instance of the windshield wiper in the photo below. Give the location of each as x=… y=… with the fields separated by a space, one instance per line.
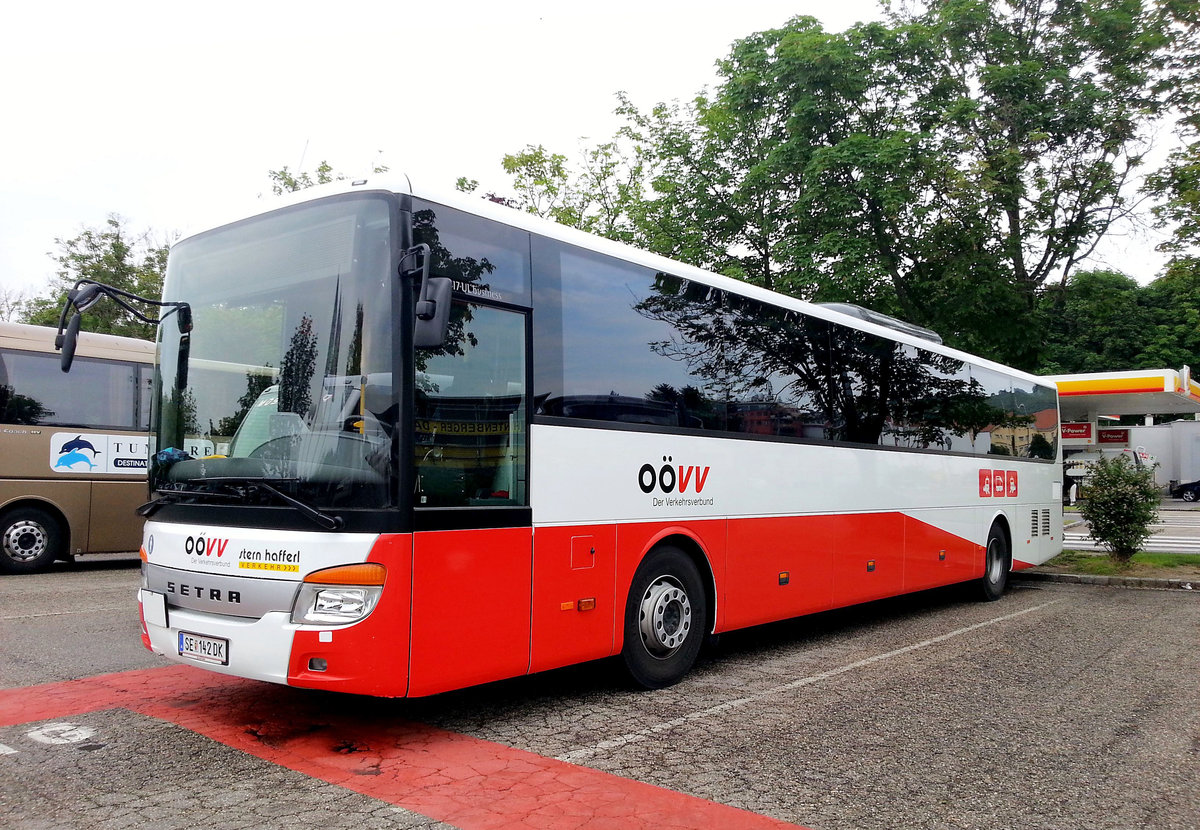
x=173 y=495
x=319 y=518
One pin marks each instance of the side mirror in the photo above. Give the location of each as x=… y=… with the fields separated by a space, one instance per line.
x=87 y=293
x=430 y=331
x=433 y=301
x=70 y=339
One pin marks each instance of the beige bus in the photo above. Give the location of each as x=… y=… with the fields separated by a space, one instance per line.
x=73 y=447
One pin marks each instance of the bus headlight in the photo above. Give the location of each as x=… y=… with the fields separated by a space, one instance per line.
x=339 y=596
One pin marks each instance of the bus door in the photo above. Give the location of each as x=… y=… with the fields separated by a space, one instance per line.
x=472 y=545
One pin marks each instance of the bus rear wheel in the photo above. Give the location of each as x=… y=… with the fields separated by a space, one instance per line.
x=996 y=565
x=664 y=619
x=30 y=540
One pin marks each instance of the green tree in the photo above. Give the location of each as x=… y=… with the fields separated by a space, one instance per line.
x=947 y=165
x=284 y=180
x=1122 y=502
x=1095 y=322
x=297 y=368
x=1176 y=185
x=111 y=254
x=1172 y=337
x=602 y=194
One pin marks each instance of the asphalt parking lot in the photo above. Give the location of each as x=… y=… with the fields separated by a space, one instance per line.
x=1059 y=706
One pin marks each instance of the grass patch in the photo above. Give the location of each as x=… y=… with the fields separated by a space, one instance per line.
x=1101 y=564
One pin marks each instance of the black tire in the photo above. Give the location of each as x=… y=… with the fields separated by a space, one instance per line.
x=665 y=619
x=30 y=539
x=1188 y=495
x=996 y=564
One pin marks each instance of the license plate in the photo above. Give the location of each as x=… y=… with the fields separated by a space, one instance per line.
x=204 y=649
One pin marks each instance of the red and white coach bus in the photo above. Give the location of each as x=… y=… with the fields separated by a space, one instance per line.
x=443 y=442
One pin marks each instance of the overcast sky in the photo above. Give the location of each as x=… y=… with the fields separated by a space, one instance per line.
x=168 y=113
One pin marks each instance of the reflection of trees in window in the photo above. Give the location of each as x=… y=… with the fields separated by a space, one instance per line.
x=463 y=268
x=179 y=417
x=1040 y=447
x=256 y=382
x=21 y=409
x=934 y=400
x=690 y=405
x=354 y=357
x=297 y=368
x=445 y=263
x=748 y=355
x=785 y=373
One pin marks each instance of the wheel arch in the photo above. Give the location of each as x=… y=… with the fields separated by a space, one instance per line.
x=1000 y=519
x=694 y=550
x=49 y=507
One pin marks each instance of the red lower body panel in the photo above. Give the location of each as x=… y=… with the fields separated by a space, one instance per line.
x=462 y=608
x=370 y=657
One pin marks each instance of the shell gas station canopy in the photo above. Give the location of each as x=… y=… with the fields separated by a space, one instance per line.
x=1091 y=404
x=1085 y=398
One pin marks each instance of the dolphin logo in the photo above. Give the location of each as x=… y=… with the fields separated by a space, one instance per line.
x=69 y=460
x=78 y=443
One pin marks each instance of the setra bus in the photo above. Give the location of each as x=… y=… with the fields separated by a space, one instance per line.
x=412 y=442
x=72 y=447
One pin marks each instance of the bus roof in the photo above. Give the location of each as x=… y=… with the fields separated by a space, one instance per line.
x=399 y=183
x=41 y=339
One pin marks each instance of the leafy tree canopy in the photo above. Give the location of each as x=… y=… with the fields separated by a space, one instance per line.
x=111 y=254
x=948 y=165
x=284 y=180
x=1101 y=325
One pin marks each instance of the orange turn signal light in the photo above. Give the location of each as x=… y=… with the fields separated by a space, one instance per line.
x=366 y=573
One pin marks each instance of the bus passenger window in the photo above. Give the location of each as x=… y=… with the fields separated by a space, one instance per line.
x=470 y=413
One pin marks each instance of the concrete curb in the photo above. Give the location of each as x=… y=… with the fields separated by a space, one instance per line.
x=1111 y=581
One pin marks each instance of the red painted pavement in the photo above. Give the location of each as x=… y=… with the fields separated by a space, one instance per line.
x=464 y=781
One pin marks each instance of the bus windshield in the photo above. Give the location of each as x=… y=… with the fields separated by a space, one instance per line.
x=285 y=378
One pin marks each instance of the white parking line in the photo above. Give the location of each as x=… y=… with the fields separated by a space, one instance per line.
x=1155 y=544
x=124 y=607
x=642 y=734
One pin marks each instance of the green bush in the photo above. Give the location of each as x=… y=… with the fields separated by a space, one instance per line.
x=1122 y=502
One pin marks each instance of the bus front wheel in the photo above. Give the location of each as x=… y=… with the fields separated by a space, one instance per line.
x=664 y=619
x=29 y=540
x=996 y=564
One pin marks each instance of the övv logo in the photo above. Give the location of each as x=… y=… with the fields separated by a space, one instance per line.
x=202 y=546
x=669 y=477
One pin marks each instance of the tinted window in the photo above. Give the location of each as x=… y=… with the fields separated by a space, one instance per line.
x=778 y=373
x=1035 y=428
x=618 y=342
x=631 y=345
x=470 y=413
x=872 y=378
x=34 y=390
x=484 y=258
x=940 y=404
x=995 y=417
